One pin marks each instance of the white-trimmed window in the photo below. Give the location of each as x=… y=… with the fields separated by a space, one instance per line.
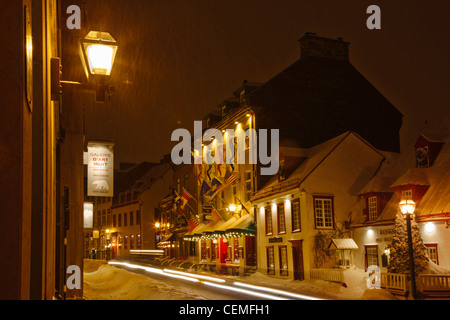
x=270 y=260
x=248 y=185
x=373 y=210
x=282 y=250
x=432 y=252
x=269 y=222
x=295 y=216
x=281 y=218
x=323 y=212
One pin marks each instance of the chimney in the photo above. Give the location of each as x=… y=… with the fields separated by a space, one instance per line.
x=312 y=45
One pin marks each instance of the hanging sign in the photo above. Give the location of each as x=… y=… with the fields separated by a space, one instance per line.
x=100 y=169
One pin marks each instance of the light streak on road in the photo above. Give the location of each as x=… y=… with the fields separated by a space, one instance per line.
x=249 y=292
x=218 y=283
x=280 y=292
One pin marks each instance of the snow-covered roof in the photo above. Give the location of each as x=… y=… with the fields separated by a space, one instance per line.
x=314 y=157
x=347 y=243
x=402 y=171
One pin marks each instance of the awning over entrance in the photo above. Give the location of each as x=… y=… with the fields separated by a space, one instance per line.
x=342 y=244
x=166 y=240
x=243 y=226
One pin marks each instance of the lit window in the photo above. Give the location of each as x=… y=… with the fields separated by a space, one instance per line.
x=295 y=215
x=270 y=260
x=269 y=224
x=281 y=219
x=432 y=252
x=373 y=212
x=283 y=260
x=323 y=209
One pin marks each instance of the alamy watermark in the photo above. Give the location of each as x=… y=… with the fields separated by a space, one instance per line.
x=231 y=143
x=374 y=277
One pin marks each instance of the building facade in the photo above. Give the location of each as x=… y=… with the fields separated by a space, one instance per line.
x=420 y=174
x=305 y=207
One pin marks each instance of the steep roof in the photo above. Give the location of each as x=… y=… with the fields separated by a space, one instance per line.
x=315 y=156
x=317 y=98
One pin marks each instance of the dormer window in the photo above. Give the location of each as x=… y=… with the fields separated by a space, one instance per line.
x=373 y=208
x=224 y=110
x=426 y=151
x=407 y=194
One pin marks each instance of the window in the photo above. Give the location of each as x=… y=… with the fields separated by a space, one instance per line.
x=269 y=224
x=432 y=252
x=131 y=218
x=213 y=251
x=281 y=218
x=371 y=256
x=323 y=211
x=373 y=212
x=114 y=221
x=138 y=241
x=203 y=250
x=282 y=250
x=236 y=250
x=99 y=217
x=234 y=190
x=125 y=219
x=103 y=217
x=108 y=217
x=295 y=216
x=248 y=185
x=138 y=217
x=270 y=260
x=125 y=242
x=407 y=194
x=132 y=241
x=119 y=217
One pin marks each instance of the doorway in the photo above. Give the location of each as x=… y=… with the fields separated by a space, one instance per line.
x=297 y=257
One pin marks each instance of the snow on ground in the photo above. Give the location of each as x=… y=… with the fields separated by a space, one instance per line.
x=355 y=287
x=105 y=282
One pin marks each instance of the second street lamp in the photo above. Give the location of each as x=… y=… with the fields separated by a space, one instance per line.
x=407 y=207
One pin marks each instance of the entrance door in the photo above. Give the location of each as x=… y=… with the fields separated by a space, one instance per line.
x=250 y=253
x=297 y=257
x=223 y=248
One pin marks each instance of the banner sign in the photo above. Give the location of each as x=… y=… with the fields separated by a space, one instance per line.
x=100 y=169
x=88 y=215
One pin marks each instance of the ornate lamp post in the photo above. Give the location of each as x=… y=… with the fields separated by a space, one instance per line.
x=407 y=207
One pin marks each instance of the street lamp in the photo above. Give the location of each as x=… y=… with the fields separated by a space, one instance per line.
x=97 y=51
x=407 y=207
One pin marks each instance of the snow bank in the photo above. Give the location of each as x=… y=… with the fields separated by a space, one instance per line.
x=111 y=283
x=353 y=288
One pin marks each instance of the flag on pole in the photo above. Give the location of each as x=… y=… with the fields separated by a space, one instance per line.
x=185 y=197
x=215 y=216
x=228 y=182
x=191 y=225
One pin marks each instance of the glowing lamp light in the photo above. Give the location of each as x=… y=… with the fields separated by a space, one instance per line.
x=98 y=51
x=407 y=206
x=232 y=207
x=430 y=228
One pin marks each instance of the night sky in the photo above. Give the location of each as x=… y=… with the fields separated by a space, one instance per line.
x=178 y=59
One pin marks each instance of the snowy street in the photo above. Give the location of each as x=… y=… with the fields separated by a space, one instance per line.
x=122 y=280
